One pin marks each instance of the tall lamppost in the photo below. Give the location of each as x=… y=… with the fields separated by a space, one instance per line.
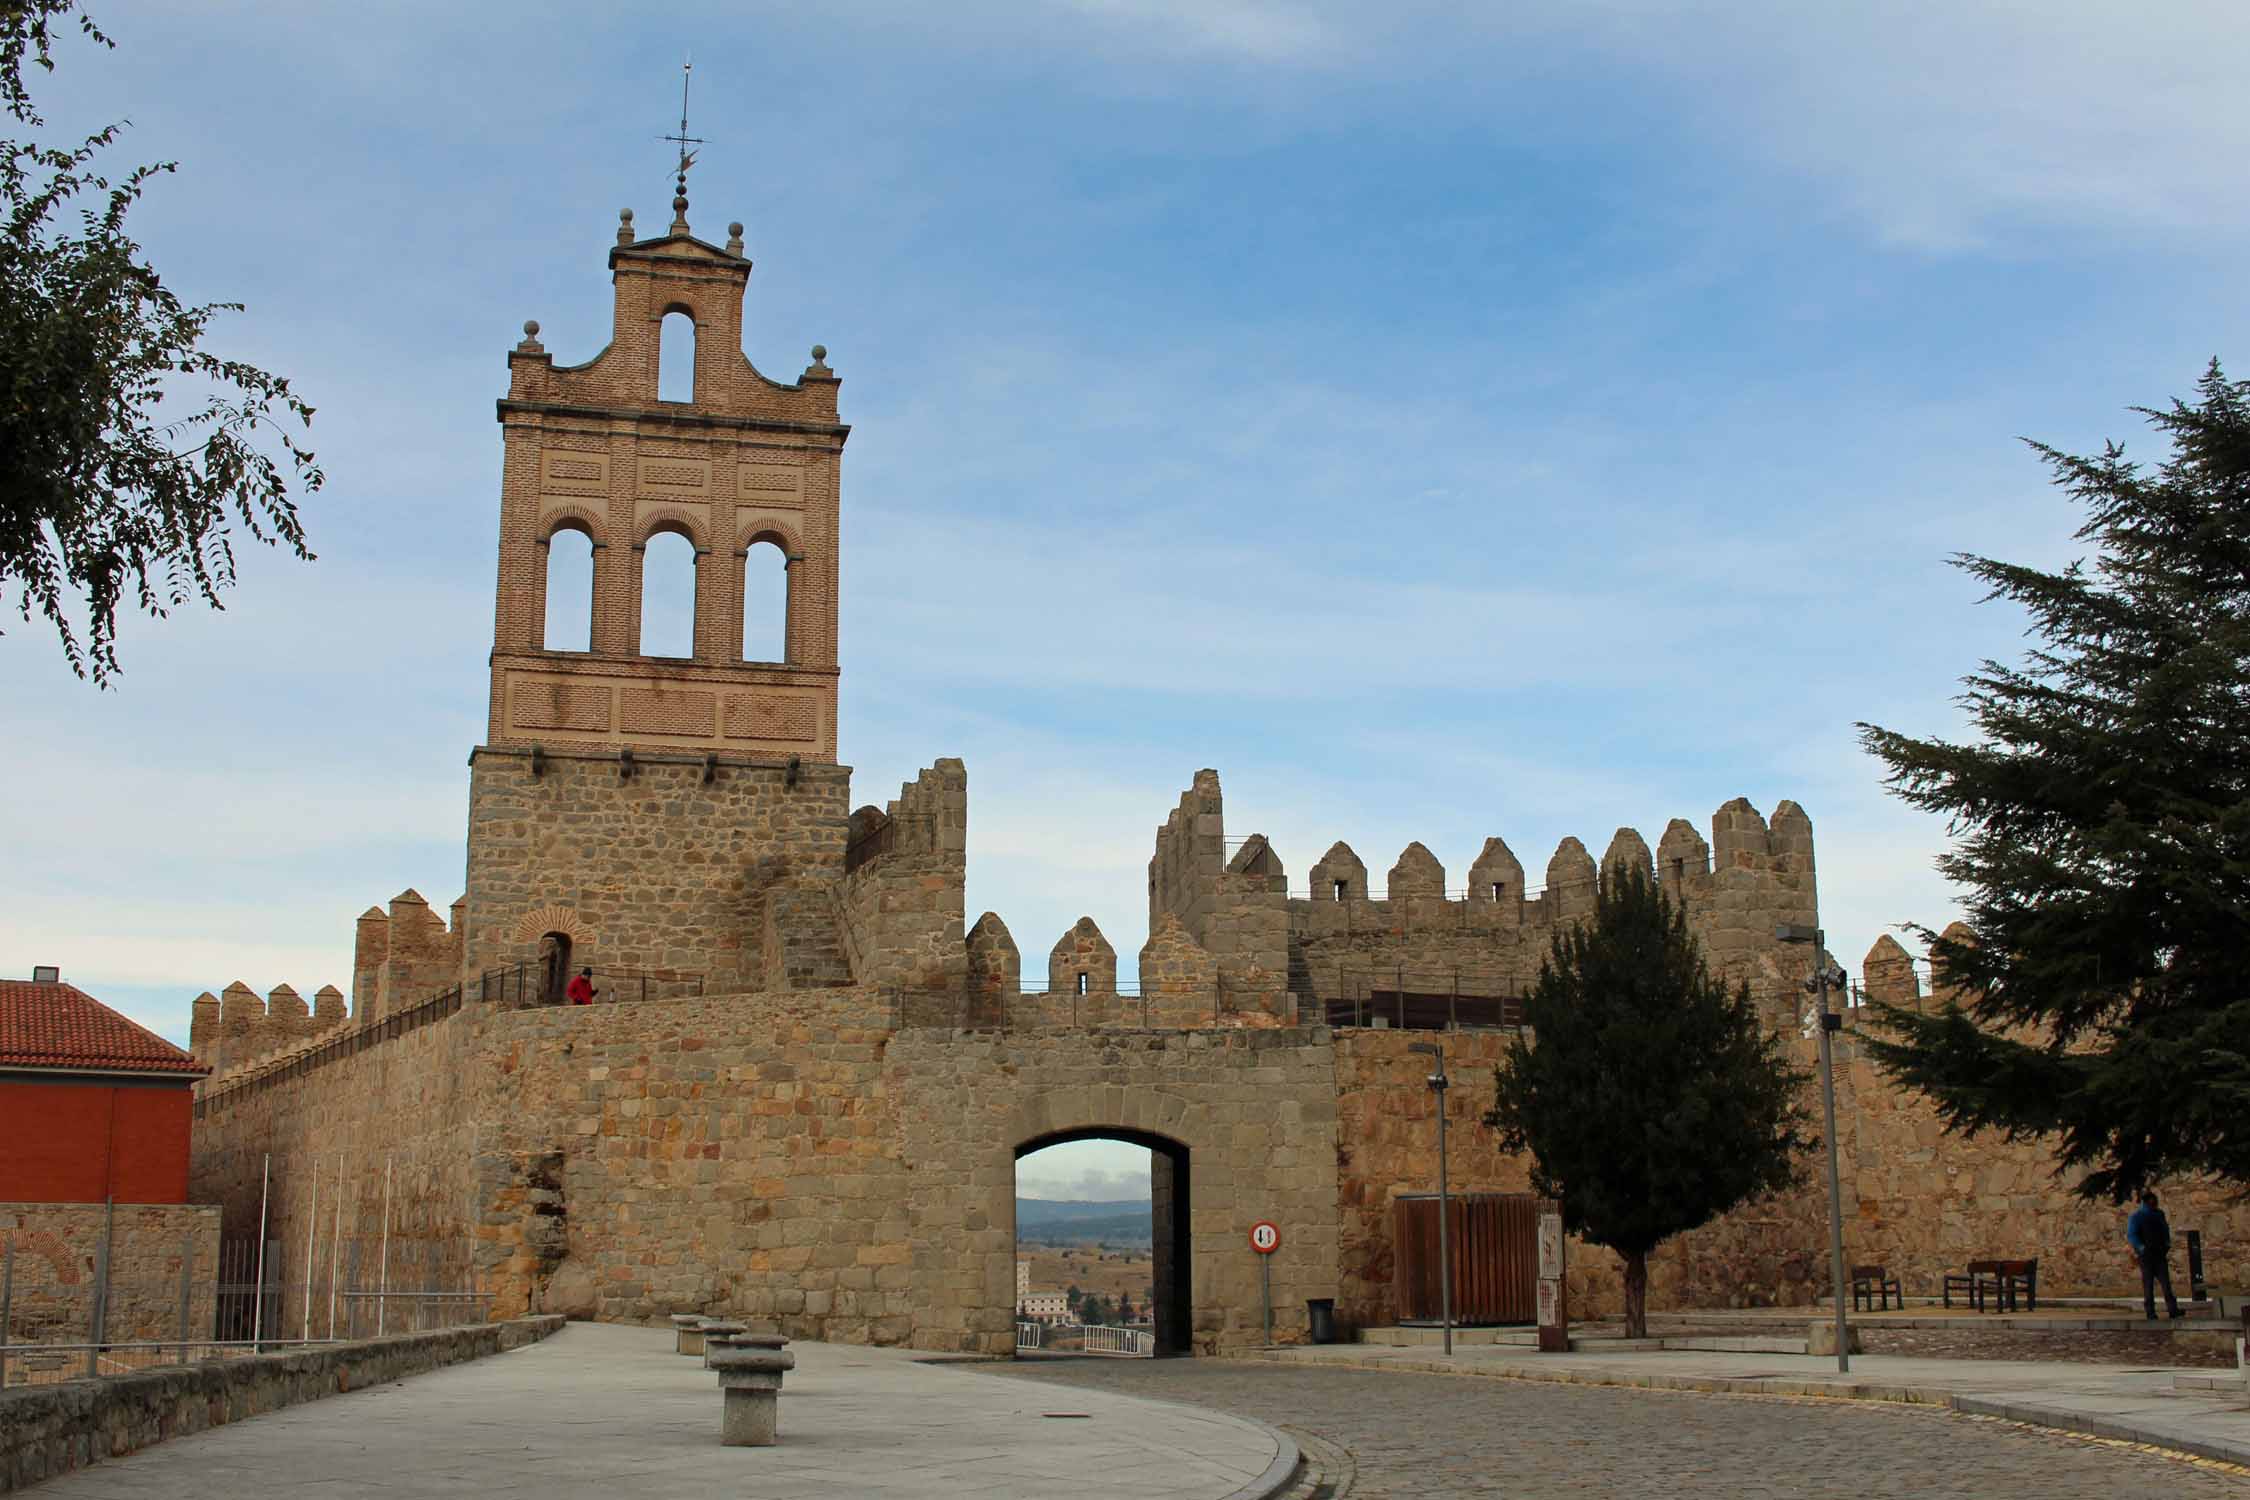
x=1825 y=974
x=1439 y=1083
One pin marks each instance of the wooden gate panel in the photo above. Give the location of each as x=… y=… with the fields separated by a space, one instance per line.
x=1495 y=1255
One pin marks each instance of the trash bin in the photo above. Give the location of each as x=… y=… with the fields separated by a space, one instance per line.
x=1321 y=1313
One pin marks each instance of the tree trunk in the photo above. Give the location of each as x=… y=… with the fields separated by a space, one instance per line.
x=1636 y=1293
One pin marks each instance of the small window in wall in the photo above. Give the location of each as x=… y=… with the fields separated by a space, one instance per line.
x=570 y=592
x=765 y=604
x=1081 y=981
x=668 y=596
x=675 y=358
x=1340 y=889
x=1499 y=890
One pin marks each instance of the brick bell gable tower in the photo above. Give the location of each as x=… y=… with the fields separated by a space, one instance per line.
x=747 y=462
x=663 y=820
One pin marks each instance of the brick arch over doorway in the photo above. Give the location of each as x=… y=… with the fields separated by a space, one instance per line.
x=1171 y=1203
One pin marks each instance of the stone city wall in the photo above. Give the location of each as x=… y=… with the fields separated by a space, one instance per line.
x=662 y=869
x=383 y=1109
x=736 y=1153
x=56 y=1257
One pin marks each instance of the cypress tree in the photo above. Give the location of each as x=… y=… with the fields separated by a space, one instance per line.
x=2100 y=827
x=1652 y=1099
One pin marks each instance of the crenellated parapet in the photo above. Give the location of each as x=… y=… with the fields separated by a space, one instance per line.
x=900 y=907
x=237 y=1029
x=1418 y=938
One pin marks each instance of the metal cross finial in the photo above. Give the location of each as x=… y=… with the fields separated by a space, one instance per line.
x=683 y=140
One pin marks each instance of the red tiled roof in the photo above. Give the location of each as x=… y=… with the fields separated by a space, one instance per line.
x=61 y=1026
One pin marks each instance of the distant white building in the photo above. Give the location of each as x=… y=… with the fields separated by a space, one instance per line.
x=1023 y=1276
x=1043 y=1307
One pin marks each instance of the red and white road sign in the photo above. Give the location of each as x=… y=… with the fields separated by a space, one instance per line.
x=1265 y=1237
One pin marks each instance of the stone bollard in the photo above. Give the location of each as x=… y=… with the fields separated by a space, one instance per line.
x=717 y=1332
x=1823 y=1339
x=686 y=1326
x=750 y=1385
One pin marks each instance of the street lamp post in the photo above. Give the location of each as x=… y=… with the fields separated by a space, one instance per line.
x=1439 y=1083
x=1796 y=932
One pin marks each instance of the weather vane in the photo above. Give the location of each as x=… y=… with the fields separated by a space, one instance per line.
x=684 y=140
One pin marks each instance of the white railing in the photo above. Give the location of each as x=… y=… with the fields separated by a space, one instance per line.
x=1127 y=1343
x=1028 y=1335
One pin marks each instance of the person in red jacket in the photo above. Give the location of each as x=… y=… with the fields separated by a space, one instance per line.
x=581 y=991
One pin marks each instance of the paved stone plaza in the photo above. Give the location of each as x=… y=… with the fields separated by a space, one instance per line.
x=600 y=1412
x=1429 y=1436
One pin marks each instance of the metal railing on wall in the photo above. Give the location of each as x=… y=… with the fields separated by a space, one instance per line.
x=373 y=1258
x=1125 y=1005
x=510 y=987
x=1392 y=996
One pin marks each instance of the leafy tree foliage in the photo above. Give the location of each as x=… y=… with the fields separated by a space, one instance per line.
x=1651 y=1098
x=2101 y=829
x=128 y=452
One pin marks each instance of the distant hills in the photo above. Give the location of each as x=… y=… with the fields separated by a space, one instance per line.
x=1063 y=1221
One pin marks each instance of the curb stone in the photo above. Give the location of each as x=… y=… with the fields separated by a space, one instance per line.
x=2055 y=1419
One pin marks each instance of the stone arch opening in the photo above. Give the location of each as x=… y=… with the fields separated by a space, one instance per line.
x=554 y=966
x=765 y=600
x=668 y=593
x=1171 y=1281
x=569 y=624
x=675 y=356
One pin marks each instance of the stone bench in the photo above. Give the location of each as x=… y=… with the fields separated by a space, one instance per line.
x=688 y=1333
x=750 y=1368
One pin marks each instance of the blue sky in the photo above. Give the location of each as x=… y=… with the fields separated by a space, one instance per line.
x=1446 y=422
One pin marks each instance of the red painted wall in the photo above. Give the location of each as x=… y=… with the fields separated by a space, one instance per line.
x=83 y=1142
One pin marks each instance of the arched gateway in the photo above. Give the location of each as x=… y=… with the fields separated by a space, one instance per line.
x=1171 y=1212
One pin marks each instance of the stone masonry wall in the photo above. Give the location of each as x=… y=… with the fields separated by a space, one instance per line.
x=1255 y=1108
x=902 y=911
x=56 y=1255
x=663 y=870
x=735 y=1153
x=390 y=1110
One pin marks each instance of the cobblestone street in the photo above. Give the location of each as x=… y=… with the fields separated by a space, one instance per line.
x=1436 y=1435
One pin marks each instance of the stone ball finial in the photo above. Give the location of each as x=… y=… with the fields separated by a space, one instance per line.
x=735 y=230
x=531 y=328
x=819 y=353
x=679 y=203
x=624 y=216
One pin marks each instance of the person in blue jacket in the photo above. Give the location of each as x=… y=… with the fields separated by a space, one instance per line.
x=2149 y=1234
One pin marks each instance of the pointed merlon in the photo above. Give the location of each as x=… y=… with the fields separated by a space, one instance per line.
x=1082 y=960
x=1571 y=869
x=1497 y=875
x=1681 y=853
x=994 y=963
x=328 y=1005
x=1256 y=858
x=1627 y=851
x=1739 y=838
x=1340 y=875
x=1791 y=838
x=1417 y=873
x=1888 y=973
